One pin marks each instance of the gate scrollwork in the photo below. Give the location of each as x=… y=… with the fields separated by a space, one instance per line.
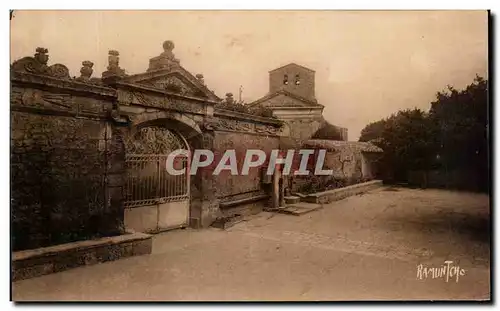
x=153 y=140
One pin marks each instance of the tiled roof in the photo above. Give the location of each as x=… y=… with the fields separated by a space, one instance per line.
x=338 y=145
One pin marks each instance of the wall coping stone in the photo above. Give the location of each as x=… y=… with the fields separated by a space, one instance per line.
x=70 y=85
x=129 y=236
x=329 y=196
x=246 y=117
x=134 y=86
x=340 y=190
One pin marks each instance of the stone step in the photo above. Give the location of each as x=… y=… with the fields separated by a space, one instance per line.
x=292 y=199
x=300 y=195
x=299 y=209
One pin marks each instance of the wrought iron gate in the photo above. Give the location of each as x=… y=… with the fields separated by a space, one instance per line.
x=149 y=187
x=149 y=183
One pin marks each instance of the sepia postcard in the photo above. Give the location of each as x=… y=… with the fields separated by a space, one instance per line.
x=250 y=156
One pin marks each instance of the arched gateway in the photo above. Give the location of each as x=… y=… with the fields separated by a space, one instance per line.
x=164 y=106
x=154 y=199
x=167 y=108
x=105 y=140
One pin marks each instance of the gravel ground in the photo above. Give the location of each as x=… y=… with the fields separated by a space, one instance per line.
x=366 y=247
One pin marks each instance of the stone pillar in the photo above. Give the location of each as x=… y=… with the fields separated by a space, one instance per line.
x=282 y=190
x=204 y=202
x=275 y=193
x=115 y=175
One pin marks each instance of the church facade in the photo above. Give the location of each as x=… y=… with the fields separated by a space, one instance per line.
x=292 y=99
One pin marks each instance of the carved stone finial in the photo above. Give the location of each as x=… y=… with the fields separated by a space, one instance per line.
x=38 y=65
x=168 y=46
x=229 y=98
x=113 y=60
x=166 y=60
x=113 y=65
x=200 y=78
x=86 y=71
x=41 y=56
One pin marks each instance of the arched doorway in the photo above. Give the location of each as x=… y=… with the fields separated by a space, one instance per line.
x=154 y=199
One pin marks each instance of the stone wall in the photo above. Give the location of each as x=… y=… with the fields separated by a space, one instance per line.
x=344 y=163
x=231 y=187
x=68 y=171
x=34 y=263
x=61 y=173
x=349 y=166
x=303 y=129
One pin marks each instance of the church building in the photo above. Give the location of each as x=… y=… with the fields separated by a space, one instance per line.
x=292 y=99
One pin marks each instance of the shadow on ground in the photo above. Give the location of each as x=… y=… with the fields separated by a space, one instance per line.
x=470 y=228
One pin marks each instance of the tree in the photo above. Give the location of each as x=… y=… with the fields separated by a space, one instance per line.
x=373 y=130
x=462 y=120
x=453 y=135
x=406 y=141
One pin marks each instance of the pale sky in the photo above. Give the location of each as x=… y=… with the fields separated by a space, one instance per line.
x=368 y=64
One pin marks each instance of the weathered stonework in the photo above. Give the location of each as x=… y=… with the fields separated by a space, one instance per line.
x=165 y=102
x=58 y=174
x=236 y=187
x=69 y=135
x=113 y=69
x=303 y=129
x=238 y=122
x=350 y=162
x=38 y=65
x=34 y=263
x=339 y=194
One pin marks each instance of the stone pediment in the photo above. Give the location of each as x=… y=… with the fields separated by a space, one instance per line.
x=165 y=73
x=177 y=81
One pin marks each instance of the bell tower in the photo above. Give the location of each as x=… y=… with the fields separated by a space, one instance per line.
x=293 y=78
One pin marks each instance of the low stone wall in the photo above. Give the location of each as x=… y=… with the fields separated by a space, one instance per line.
x=37 y=262
x=249 y=206
x=341 y=193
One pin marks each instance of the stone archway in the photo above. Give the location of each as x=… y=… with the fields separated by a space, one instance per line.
x=154 y=199
x=179 y=122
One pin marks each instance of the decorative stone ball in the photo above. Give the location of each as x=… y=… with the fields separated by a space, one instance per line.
x=168 y=45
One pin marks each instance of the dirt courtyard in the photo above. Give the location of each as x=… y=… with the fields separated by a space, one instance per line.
x=366 y=247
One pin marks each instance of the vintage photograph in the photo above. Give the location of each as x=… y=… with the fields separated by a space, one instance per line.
x=246 y=156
